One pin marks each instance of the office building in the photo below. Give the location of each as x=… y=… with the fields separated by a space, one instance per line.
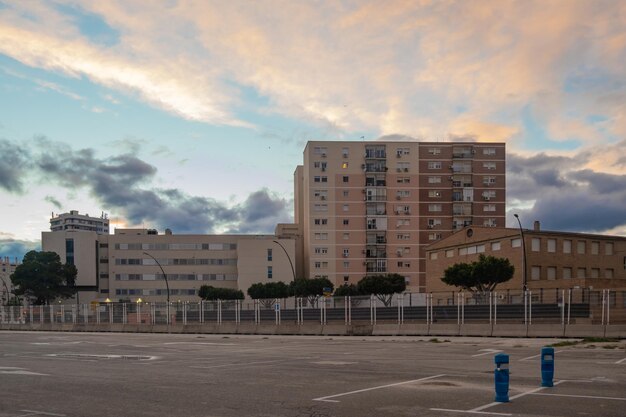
x=372 y=207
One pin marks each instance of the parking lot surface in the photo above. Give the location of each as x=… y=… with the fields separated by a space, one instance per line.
x=110 y=374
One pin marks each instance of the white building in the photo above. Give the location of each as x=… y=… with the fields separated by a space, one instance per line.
x=75 y=221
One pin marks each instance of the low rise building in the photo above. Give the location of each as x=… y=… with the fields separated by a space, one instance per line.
x=553 y=259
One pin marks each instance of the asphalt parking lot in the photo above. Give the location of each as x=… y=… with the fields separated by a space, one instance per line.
x=110 y=374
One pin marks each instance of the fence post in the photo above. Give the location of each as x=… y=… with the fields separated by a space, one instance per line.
x=30 y=310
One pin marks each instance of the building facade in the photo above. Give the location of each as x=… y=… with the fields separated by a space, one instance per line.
x=372 y=207
x=7 y=267
x=75 y=221
x=125 y=265
x=553 y=259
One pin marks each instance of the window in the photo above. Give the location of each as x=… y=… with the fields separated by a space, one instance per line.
x=346 y=253
x=345 y=207
x=434 y=165
x=346 y=236
x=403 y=236
x=434 y=236
x=608 y=273
x=567 y=273
x=434 y=207
x=567 y=246
x=535 y=273
x=489 y=165
x=269 y=254
x=433 y=222
x=580 y=247
x=595 y=273
x=318 y=178
x=449 y=253
x=581 y=273
x=320 y=207
x=345 y=152
x=608 y=248
x=488 y=195
x=344 y=165
x=516 y=243
x=434 y=151
x=433 y=256
x=462 y=251
x=536 y=244
x=321 y=236
x=345 y=178
x=269 y=272
x=595 y=248
x=434 y=180
x=320 y=250
x=551 y=273
x=552 y=245
x=489 y=207
x=346 y=264
x=346 y=222
x=403 y=193
x=321 y=194
x=346 y=193
x=346 y=278
x=489 y=180
x=434 y=194
x=489 y=151
x=403 y=222
x=403 y=180
x=403 y=167
x=322 y=222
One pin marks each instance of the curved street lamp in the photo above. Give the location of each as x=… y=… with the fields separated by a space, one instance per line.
x=167 y=285
x=521 y=231
x=293 y=271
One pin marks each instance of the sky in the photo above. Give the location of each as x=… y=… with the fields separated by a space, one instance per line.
x=193 y=115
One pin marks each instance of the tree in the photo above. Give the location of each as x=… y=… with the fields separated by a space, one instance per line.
x=312 y=288
x=208 y=292
x=480 y=276
x=382 y=286
x=268 y=292
x=42 y=277
x=347 y=291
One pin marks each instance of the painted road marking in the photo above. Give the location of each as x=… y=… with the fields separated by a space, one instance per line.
x=580 y=396
x=621 y=360
x=39 y=413
x=239 y=364
x=326 y=399
x=512 y=398
x=471 y=412
x=536 y=356
x=486 y=352
x=199 y=343
x=11 y=370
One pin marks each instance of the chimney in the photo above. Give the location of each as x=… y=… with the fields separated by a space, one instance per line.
x=536 y=226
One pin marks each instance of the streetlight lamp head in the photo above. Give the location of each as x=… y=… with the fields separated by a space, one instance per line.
x=516 y=216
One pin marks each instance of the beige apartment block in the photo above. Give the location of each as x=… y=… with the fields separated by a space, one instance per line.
x=76 y=221
x=553 y=259
x=7 y=267
x=122 y=266
x=372 y=207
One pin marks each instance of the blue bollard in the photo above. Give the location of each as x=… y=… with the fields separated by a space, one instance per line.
x=547 y=366
x=501 y=375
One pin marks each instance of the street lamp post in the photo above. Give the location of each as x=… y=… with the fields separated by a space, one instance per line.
x=167 y=285
x=293 y=271
x=521 y=231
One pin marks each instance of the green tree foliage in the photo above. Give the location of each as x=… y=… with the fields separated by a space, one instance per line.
x=268 y=292
x=42 y=277
x=312 y=288
x=480 y=276
x=347 y=291
x=208 y=292
x=382 y=286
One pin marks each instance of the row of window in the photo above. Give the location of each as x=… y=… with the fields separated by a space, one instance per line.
x=551 y=273
x=582 y=246
x=157 y=291
x=433 y=179
x=175 y=246
x=176 y=277
x=176 y=261
x=379 y=151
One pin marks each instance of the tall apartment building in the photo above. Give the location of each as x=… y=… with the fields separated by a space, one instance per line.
x=372 y=207
x=7 y=268
x=75 y=221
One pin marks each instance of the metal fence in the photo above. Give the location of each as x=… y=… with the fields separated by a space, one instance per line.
x=567 y=306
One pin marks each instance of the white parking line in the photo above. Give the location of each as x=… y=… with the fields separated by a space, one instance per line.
x=238 y=364
x=199 y=343
x=326 y=399
x=483 y=407
x=486 y=352
x=580 y=396
x=39 y=413
x=536 y=356
x=621 y=360
x=471 y=412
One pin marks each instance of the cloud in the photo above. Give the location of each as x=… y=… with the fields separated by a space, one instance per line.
x=564 y=197
x=424 y=69
x=14 y=163
x=14 y=248
x=123 y=185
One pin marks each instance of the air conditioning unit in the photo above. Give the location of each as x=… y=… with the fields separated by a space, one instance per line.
x=486 y=198
x=323 y=197
x=431 y=226
x=323 y=154
x=406 y=170
x=345 y=255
